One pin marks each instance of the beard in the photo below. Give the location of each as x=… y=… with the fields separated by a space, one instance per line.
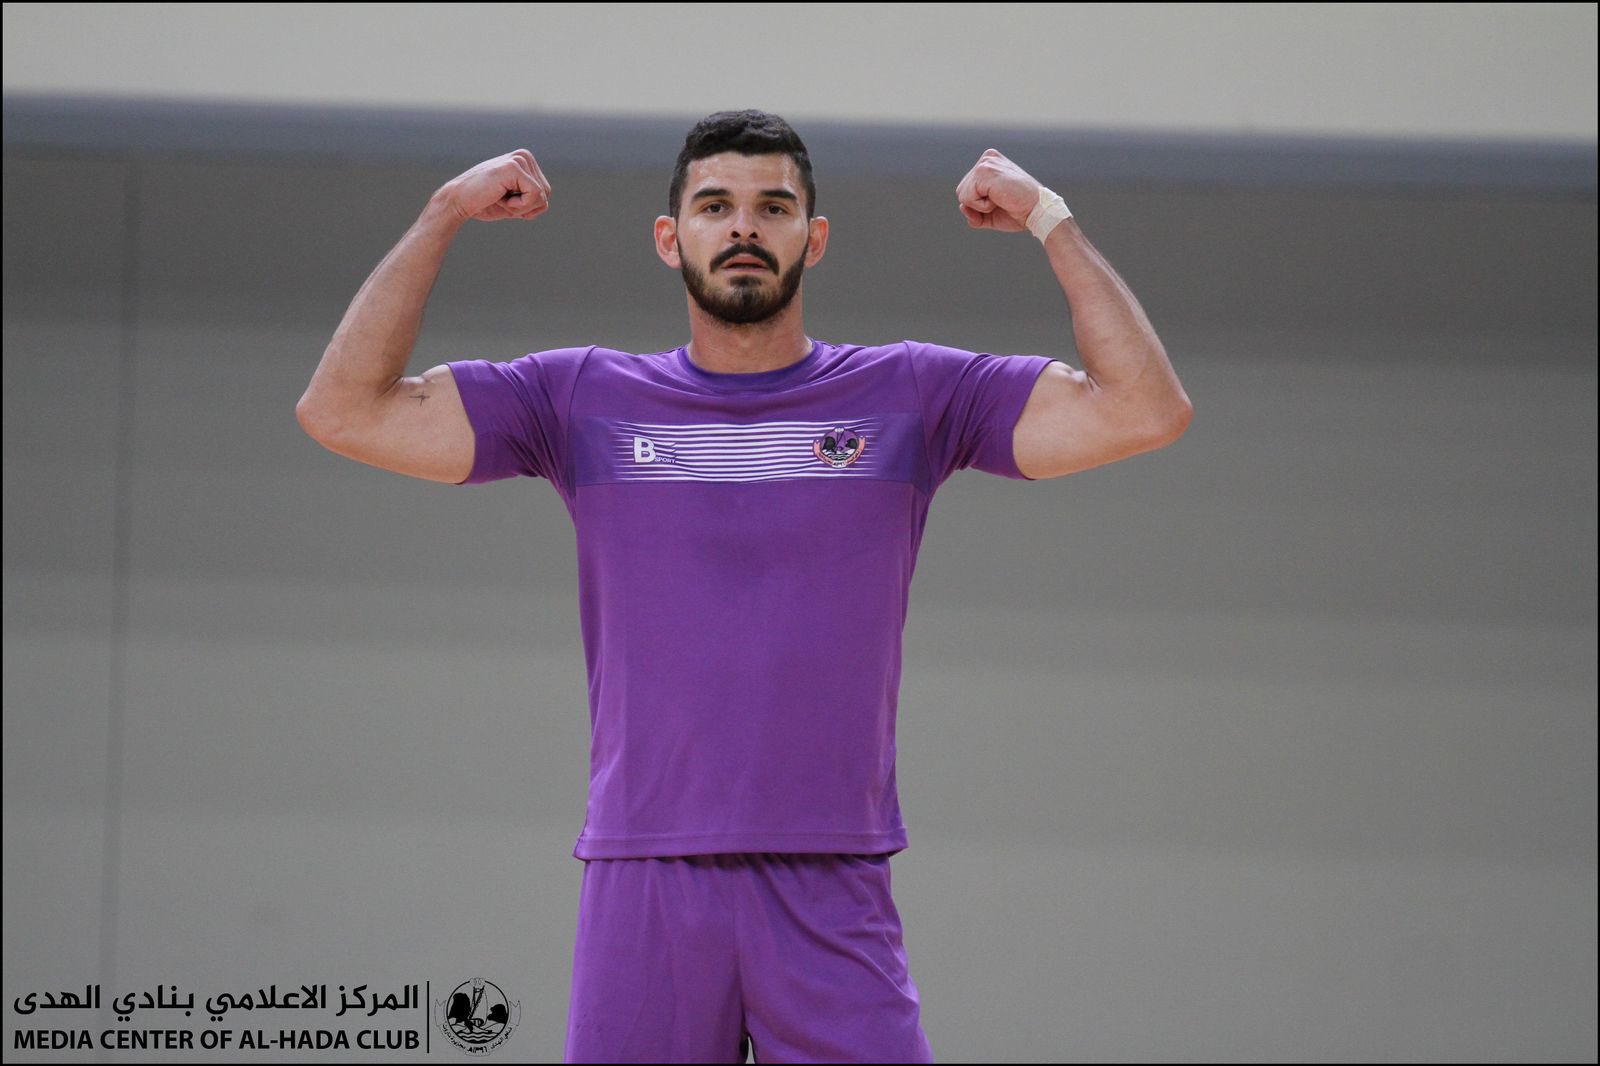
x=743 y=299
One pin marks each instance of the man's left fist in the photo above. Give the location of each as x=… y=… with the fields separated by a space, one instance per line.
x=997 y=194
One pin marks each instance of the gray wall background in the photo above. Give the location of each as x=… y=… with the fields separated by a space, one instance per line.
x=1510 y=71
x=1275 y=744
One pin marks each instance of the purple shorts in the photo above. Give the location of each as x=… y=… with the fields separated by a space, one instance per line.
x=686 y=959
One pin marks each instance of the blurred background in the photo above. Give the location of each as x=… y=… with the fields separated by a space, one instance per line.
x=1277 y=744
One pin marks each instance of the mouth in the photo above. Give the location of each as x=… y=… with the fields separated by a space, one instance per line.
x=744 y=262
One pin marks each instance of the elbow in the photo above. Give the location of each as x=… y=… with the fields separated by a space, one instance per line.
x=312 y=419
x=1181 y=418
x=305 y=414
x=1173 y=424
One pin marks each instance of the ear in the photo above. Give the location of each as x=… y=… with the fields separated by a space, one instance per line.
x=667 y=242
x=816 y=241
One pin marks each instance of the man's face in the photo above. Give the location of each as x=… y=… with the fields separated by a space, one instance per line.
x=738 y=209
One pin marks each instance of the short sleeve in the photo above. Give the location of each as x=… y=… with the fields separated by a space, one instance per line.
x=970 y=405
x=518 y=412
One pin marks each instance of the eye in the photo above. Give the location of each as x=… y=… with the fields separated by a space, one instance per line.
x=781 y=209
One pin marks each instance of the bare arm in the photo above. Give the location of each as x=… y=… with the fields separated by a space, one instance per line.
x=1127 y=399
x=359 y=403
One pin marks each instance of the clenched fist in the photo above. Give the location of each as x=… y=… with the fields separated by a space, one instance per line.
x=997 y=194
x=508 y=186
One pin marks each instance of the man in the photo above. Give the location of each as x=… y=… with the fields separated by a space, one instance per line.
x=748 y=508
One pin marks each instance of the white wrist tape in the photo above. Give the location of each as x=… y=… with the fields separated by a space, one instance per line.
x=1050 y=212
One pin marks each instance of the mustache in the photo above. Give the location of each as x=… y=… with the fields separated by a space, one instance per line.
x=734 y=253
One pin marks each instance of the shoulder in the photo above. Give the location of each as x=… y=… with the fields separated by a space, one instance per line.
x=894 y=356
x=934 y=354
x=939 y=367
x=535 y=381
x=599 y=358
x=556 y=368
x=532 y=365
x=558 y=360
x=935 y=368
x=900 y=351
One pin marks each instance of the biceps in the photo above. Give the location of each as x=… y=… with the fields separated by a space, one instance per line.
x=418 y=428
x=1070 y=424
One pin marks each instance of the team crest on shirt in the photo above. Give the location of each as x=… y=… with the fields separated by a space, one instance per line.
x=839 y=447
x=607 y=449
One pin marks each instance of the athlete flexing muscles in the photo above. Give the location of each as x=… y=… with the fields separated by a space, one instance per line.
x=742 y=804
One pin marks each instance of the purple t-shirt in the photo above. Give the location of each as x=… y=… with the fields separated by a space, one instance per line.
x=745 y=551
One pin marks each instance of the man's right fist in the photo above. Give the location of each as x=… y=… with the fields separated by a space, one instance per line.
x=508 y=186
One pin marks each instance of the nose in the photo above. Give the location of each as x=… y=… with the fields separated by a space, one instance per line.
x=744 y=222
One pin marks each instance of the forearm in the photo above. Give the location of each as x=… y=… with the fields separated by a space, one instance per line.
x=370 y=349
x=1120 y=350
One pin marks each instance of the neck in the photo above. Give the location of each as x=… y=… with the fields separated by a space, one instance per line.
x=778 y=342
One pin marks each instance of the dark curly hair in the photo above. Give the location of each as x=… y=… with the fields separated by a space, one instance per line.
x=745 y=132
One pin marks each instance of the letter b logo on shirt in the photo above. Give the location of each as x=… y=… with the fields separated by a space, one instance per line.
x=644 y=450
